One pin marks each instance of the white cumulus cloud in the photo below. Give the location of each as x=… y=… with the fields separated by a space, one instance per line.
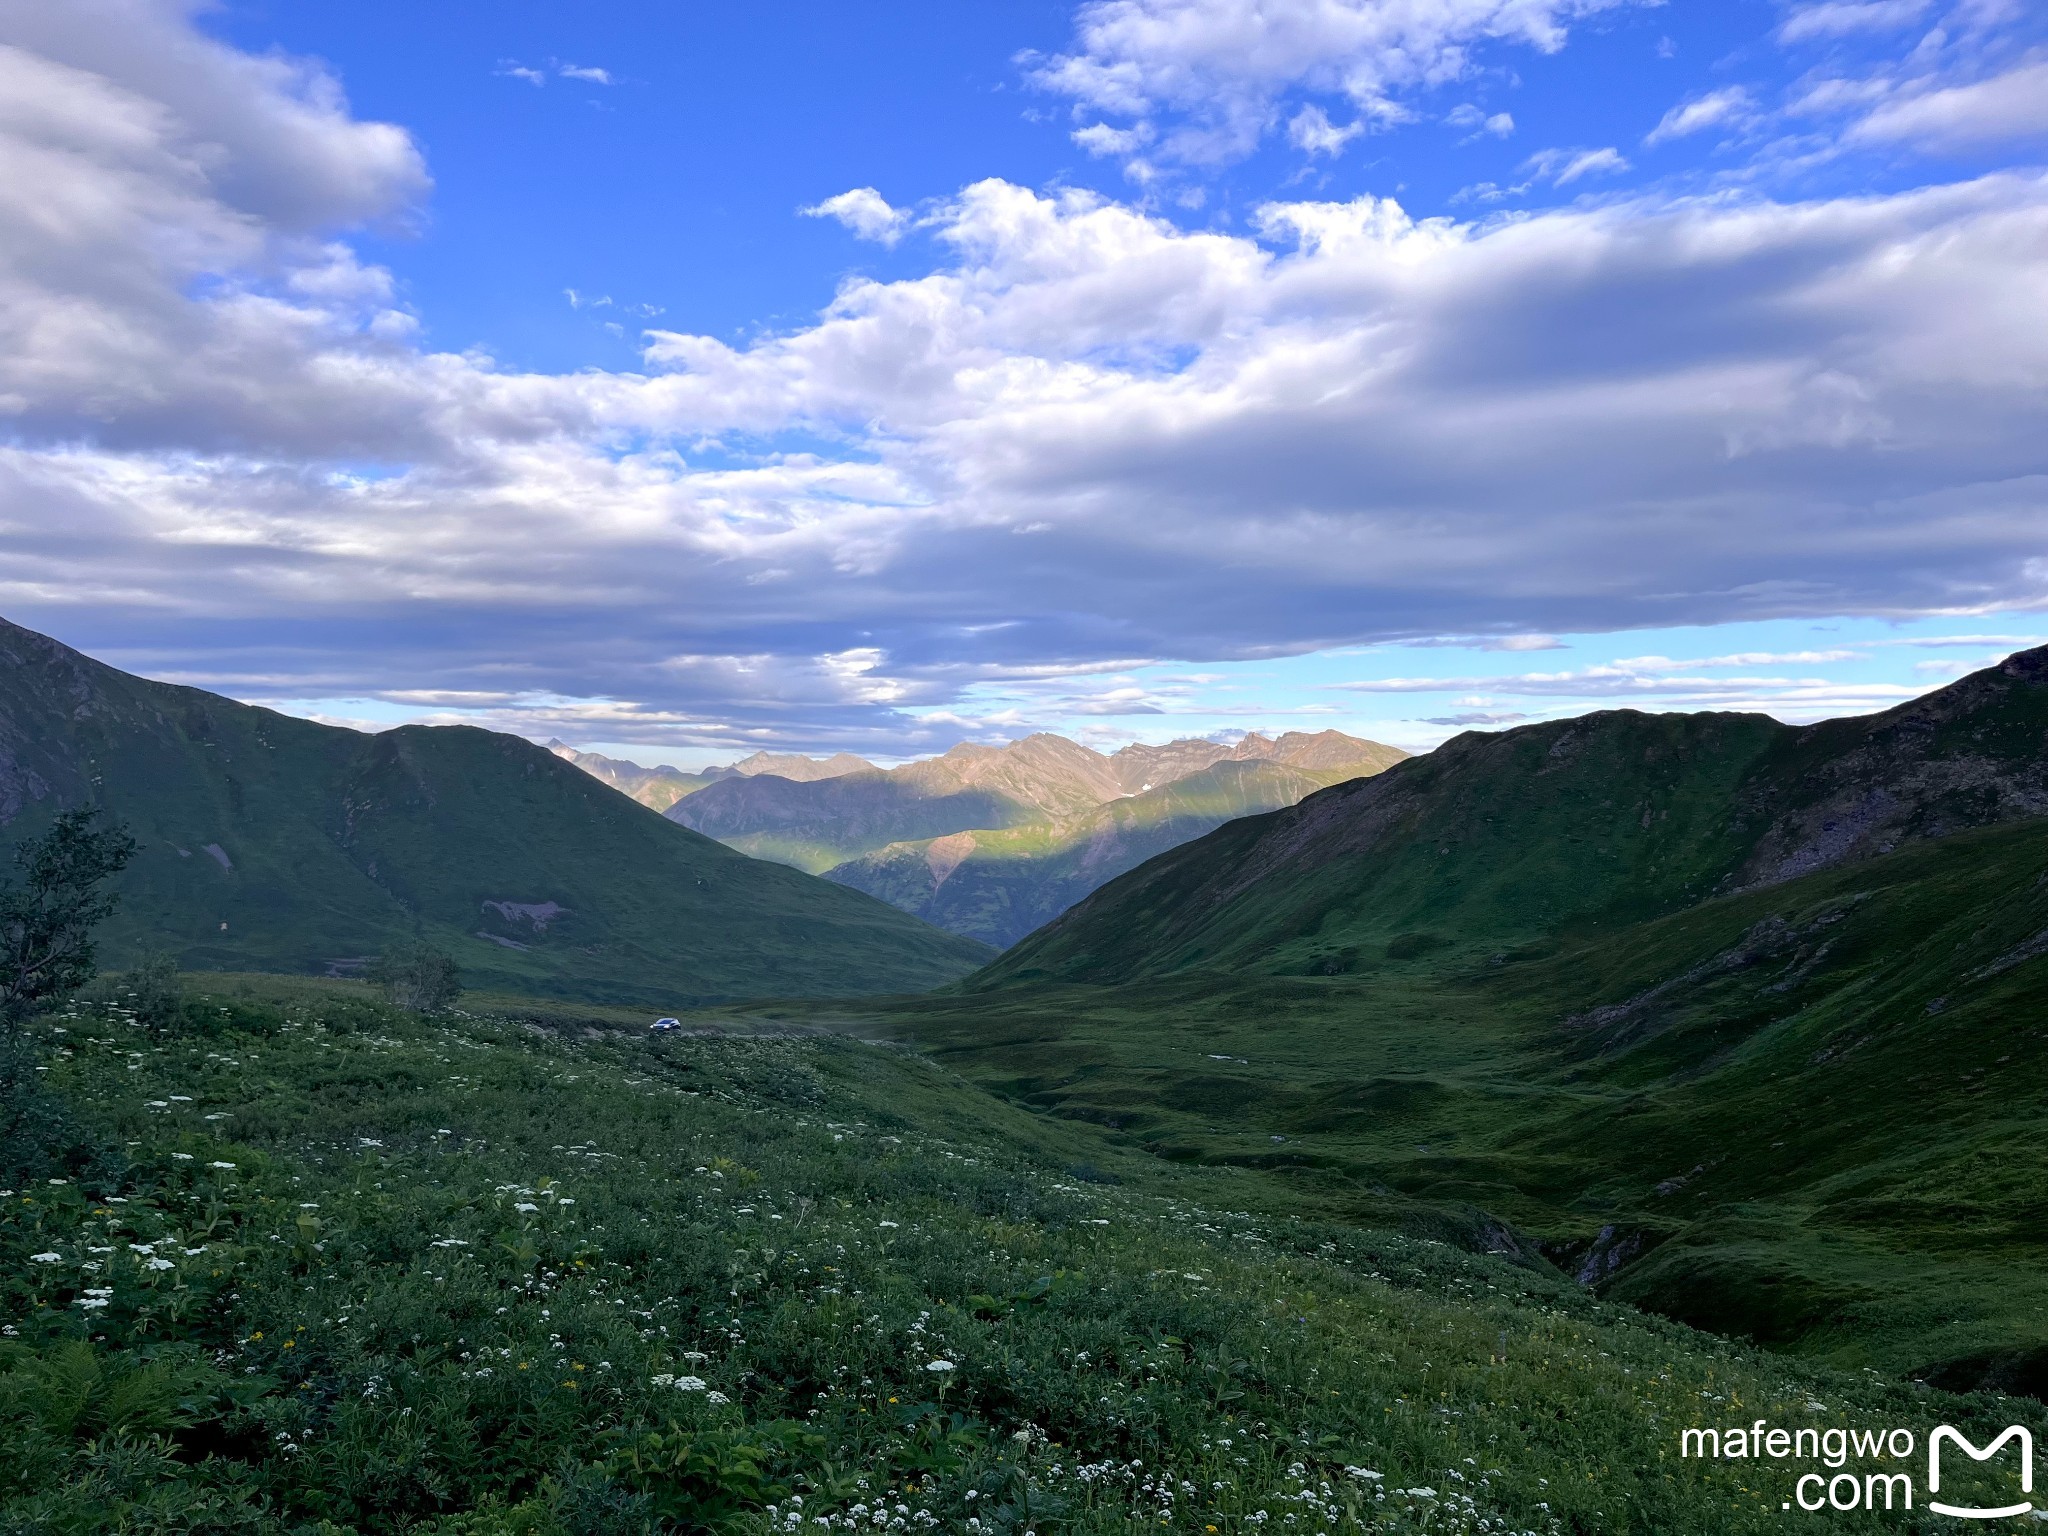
x=1565 y=166
x=1845 y=18
x=1312 y=132
x=866 y=212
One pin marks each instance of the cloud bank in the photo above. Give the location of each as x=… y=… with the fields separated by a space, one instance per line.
x=1081 y=437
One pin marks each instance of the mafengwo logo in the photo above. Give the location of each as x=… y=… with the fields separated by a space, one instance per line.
x=1866 y=1469
x=1944 y=1435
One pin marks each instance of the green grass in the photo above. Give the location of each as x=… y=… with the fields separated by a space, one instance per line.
x=1811 y=1112
x=367 y=1272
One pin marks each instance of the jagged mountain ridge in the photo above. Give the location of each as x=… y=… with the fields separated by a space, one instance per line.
x=999 y=885
x=660 y=787
x=274 y=843
x=656 y=788
x=993 y=841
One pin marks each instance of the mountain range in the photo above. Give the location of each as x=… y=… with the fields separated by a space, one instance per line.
x=992 y=842
x=1738 y=1021
x=659 y=788
x=274 y=843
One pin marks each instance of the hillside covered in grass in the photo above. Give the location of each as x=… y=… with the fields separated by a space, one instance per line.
x=1737 y=1021
x=328 y=1268
x=274 y=843
x=1571 y=826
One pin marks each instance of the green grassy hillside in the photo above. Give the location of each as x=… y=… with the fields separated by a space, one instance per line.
x=1575 y=825
x=1810 y=1114
x=273 y=842
x=338 y=1270
x=1731 y=1018
x=1493 y=838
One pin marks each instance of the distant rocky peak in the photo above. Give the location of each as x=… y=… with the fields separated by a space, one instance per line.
x=804 y=770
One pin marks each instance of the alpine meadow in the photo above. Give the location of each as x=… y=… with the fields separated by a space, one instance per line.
x=1218 y=767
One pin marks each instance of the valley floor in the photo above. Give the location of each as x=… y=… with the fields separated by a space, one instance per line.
x=526 y=1269
x=1808 y=1115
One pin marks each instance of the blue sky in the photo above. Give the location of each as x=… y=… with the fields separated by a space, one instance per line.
x=689 y=379
x=674 y=182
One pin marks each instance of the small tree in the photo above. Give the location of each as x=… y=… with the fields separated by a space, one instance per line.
x=47 y=916
x=417 y=976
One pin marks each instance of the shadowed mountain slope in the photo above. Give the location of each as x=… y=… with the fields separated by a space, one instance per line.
x=270 y=842
x=814 y=826
x=1611 y=818
x=661 y=787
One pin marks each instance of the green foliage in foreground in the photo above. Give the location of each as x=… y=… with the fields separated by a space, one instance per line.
x=1810 y=1114
x=372 y=1272
x=47 y=916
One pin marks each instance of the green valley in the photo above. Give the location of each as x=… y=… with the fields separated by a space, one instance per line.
x=1425 y=1155
x=1738 y=1021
